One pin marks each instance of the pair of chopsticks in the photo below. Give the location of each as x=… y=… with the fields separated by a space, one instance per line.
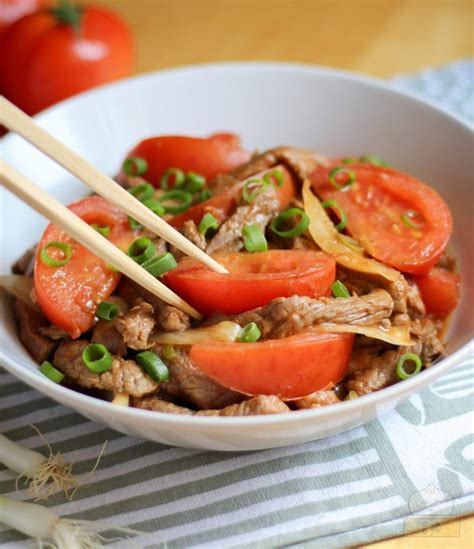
x=19 y=122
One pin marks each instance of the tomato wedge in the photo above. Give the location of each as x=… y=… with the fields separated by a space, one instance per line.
x=377 y=206
x=290 y=368
x=68 y=295
x=207 y=156
x=223 y=204
x=253 y=279
x=439 y=291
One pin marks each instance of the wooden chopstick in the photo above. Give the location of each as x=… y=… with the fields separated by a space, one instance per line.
x=78 y=229
x=16 y=120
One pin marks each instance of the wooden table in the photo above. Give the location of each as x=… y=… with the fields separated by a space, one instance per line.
x=378 y=37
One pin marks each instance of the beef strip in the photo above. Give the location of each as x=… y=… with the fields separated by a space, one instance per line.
x=30 y=321
x=24 y=265
x=53 y=332
x=105 y=332
x=259 y=405
x=316 y=400
x=258 y=212
x=190 y=231
x=285 y=316
x=125 y=376
x=167 y=317
x=189 y=383
x=136 y=325
x=415 y=306
x=426 y=330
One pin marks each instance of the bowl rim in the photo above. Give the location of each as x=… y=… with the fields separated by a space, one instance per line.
x=398 y=390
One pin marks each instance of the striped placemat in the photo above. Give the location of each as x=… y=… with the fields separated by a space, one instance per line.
x=402 y=473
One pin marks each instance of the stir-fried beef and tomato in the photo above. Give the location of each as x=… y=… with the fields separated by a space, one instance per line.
x=339 y=283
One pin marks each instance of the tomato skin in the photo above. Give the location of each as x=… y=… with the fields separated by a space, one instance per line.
x=374 y=205
x=290 y=368
x=254 y=279
x=12 y=10
x=223 y=204
x=207 y=156
x=43 y=61
x=439 y=291
x=68 y=295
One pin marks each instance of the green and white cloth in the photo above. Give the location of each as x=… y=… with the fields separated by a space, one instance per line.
x=407 y=471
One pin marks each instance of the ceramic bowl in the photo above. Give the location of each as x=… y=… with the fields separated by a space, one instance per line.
x=333 y=112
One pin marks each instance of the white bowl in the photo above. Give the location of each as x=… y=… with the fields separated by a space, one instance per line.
x=267 y=104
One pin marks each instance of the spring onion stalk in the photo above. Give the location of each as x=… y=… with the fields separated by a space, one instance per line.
x=339 y=170
x=161 y=264
x=64 y=247
x=252 y=189
x=408 y=357
x=141 y=249
x=42 y=524
x=283 y=217
x=19 y=286
x=274 y=177
x=142 y=192
x=155 y=206
x=176 y=175
x=250 y=333
x=176 y=201
x=153 y=366
x=208 y=222
x=194 y=182
x=339 y=289
x=134 y=224
x=340 y=212
x=204 y=195
x=104 y=230
x=372 y=159
x=223 y=331
x=48 y=370
x=135 y=165
x=107 y=311
x=97 y=358
x=47 y=475
x=254 y=239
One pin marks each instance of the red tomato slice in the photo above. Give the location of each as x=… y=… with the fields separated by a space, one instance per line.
x=223 y=204
x=439 y=291
x=207 y=156
x=68 y=295
x=253 y=279
x=290 y=368
x=374 y=206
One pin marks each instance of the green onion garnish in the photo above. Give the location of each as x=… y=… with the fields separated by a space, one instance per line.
x=339 y=290
x=204 y=195
x=50 y=372
x=340 y=170
x=141 y=249
x=208 y=222
x=283 y=217
x=135 y=165
x=107 y=310
x=274 y=176
x=194 y=182
x=349 y=160
x=153 y=366
x=333 y=204
x=134 y=224
x=155 y=206
x=64 y=247
x=254 y=239
x=97 y=358
x=160 y=265
x=252 y=189
x=372 y=159
x=168 y=352
x=401 y=372
x=142 y=192
x=104 y=230
x=177 y=176
x=249 y=333
x=183 y=198
x=410 y=217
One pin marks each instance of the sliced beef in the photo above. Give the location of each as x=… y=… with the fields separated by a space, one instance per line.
x=415 y=306
x=25 y=264
x=105 y=332
x=136 y=325
x=190 y=231
x=53 y=332
x=316 y=400
x=125 y=376
x=426 y=331
x=286 y=316
x=30 y=322
x=258 y=212
x=167 y=317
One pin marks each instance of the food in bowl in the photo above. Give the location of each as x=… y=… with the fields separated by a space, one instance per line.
x=339 y=283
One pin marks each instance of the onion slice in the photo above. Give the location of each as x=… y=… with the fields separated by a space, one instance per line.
x=396 y=335
x=223 y=331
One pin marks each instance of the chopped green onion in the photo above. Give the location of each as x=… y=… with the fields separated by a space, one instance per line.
x=168 y=352
x=142 y=192
x=351 y=395
x=50 y=372
x=401 y=372
x=349 y=160
x=64 y=247
x=208 y=222
x=283 y=217
x=409 y=219
x=107 y=310
x=160 y=265
x=339 y=290
x=335 y=205
x=141 y=249
x=104 y=230
x=275 y=175
x=135 y=165
x=372 y=159
x=254 y=239
x=134 y=224
x=194 y=182
x=155 y=206
x=183 y=198
x=153 y=366
x=250 y=333
x=252 y=189
x=97 y=358
x=340 y=170
x=204 y=195
x=177 y=175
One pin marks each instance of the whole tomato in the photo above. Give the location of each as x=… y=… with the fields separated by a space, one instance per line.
x=11 y=10
x=52 y=54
